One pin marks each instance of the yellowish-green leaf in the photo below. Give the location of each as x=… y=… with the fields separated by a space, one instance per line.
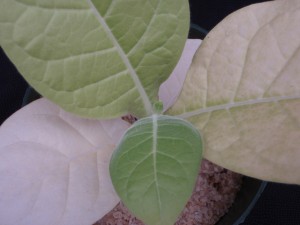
x=243 y=92
x=95 y=58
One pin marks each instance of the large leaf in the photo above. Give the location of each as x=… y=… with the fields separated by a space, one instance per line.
x=54 y=167
x=155 y=166
x=95 y=58
x=243 y=92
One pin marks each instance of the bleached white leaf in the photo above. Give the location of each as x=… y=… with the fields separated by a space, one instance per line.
x=54 y=167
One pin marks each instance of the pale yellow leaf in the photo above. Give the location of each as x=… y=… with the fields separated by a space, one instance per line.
x=243 y=92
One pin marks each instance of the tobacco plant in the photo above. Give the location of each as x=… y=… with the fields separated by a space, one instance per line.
x=66 y=159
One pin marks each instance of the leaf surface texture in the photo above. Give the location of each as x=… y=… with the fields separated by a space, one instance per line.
x=155 y=167
x=54 y=167
x=243 y=92
x=95 y=58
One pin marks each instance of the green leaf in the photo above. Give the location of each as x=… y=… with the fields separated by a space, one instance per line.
x=95 y=58
x=243 y=92
x=54 y=166
x=154 y=168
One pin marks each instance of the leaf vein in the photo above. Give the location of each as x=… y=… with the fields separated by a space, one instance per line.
x=236 y=104
x=132 y=72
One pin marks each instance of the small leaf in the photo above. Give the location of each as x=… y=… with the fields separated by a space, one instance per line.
x=54 y=167
x=95 y=58
x=154 y=168
x=243 y=92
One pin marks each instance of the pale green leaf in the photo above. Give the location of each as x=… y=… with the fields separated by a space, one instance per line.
x=155 y=166
x=54 y=167
x=95 y=58
x=243 y=92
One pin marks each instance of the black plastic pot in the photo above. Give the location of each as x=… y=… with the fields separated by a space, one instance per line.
x=244 y=202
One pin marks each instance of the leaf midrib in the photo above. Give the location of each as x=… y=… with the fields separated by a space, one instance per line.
x=154 y=151
x=236 y=104
x=122 y=54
